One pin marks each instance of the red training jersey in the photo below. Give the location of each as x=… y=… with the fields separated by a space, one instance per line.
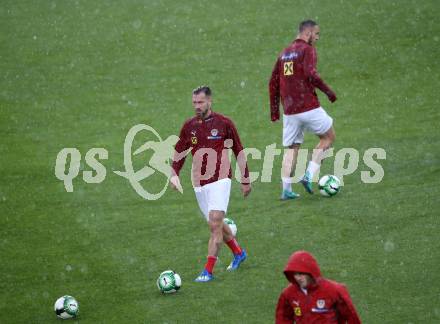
x=294 y=79
x=209 y=140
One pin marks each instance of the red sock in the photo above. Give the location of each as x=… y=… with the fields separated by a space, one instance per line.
x=210 y=263
x=233 y=245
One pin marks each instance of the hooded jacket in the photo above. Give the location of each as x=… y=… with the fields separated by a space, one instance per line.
x=322 y=302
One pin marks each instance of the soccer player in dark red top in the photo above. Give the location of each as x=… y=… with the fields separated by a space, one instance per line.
x=294 y=79
x=310 y=298
x=209 y=136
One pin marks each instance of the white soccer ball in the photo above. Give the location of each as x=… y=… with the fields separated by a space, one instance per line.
x=232 y=225
x=329 y=185
x=169 y=282
x=66 y=307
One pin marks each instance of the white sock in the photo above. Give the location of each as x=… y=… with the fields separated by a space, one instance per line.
x=287 y=183
x=312 y=168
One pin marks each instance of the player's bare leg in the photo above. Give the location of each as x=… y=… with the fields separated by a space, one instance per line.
x=216 y=227
x=287 y=169
x=325 y=142
x=215 y=223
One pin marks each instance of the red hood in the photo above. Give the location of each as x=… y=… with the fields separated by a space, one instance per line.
x=302 y=261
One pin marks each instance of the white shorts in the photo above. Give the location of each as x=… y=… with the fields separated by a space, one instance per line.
x=316 y=121
x=213 y=196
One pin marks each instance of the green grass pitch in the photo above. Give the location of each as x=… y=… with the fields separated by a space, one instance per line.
x=82 y=73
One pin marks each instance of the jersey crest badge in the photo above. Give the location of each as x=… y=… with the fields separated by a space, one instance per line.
x=320 y=303
x=194 y=140
x=297 y=311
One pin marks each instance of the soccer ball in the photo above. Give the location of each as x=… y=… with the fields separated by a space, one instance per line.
x=329 y=185
x=232 y=225
x=66 y=307
x=169 y=282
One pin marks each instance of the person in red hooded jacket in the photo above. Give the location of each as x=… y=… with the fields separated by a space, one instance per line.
x=310 y=298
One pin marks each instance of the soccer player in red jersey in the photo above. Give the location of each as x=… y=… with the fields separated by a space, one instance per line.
x=209 y=135
x=310 y=298
x=294 y=79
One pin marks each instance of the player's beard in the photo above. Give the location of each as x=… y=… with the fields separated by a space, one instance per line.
x=203 y=114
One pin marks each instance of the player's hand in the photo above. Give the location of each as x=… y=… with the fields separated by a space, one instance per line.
x=175 y=183
x=331 y=96
x=246 y=189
